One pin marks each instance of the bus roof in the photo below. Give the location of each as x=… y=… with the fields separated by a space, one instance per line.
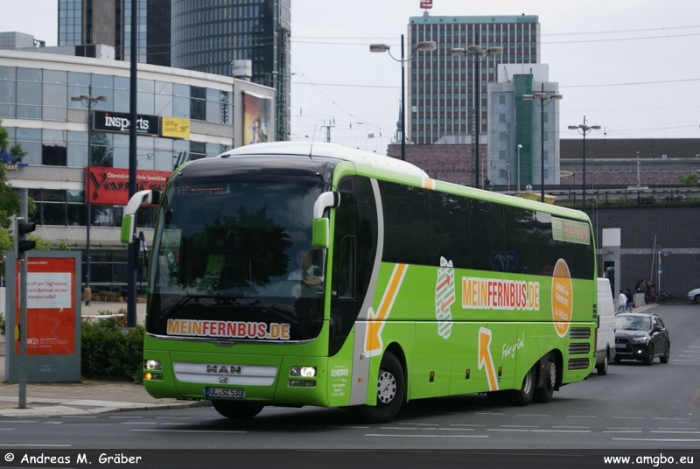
x=327 y=150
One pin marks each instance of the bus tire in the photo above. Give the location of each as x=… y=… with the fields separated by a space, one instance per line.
x=524 y=395
x=545 y=392
x=237 y=410
x=391 y=390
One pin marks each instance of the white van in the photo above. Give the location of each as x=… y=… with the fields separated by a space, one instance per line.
x=605 y=334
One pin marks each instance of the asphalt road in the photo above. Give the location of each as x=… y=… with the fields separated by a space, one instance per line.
x=633 y=407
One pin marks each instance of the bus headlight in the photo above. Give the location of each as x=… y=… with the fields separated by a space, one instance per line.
x=305 y=371
x=152 y=365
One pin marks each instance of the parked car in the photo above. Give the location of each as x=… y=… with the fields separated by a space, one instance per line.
x=641 y=336
x=694 y=295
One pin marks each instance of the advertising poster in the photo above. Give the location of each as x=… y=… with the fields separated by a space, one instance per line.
x=256 y=119
x=110 y=186
x=51 y=303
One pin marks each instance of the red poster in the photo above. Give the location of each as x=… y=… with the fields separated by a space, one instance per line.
x=51 y=306
x=111 y=185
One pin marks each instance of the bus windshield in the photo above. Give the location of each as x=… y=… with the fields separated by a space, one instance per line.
x=237 y=250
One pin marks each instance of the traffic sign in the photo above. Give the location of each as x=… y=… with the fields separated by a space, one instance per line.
x=665 y=253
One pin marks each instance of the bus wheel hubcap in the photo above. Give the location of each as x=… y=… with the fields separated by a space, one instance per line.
x=386 y=387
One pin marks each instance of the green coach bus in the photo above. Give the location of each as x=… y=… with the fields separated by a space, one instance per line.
x=292 y=274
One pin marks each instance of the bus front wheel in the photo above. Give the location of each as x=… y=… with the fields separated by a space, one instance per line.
x=237 y=410
x=391 y=389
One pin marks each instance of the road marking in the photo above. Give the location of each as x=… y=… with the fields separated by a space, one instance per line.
x=676 y=440
x=581 y=416
x=424 y=436
x=672 y=418
x=622 y=431
x=405 y=428
x=561 y=431
x=573 y=427
x=631 y=418
x=185 y=431
x=19 y=421
x=672 y=431
x=521 y=426
x=457 y=429
x=507 y=430
x=23 y=445
x=671 y=428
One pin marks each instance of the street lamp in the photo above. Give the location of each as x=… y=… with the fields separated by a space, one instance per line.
x=89 y=101
x=422 y=46
x=519 y=147
x=542 y=99
x=477 y=54
x=584 y=130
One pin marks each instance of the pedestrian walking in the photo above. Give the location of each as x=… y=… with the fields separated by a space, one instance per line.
x=630 y=301
x=621 y=302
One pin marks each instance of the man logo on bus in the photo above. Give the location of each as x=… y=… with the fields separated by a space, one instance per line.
x=444 y=297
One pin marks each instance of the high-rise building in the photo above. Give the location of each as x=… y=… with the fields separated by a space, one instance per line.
x=441 y=86
x=522 y=132
x=208 y=37
x=109 y=22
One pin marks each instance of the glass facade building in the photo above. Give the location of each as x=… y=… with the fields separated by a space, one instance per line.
x=109 y=22
x=441 y=86
x=208 y=35
x=37 y=111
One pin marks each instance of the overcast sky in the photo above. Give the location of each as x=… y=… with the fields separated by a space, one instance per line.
x=630 y=66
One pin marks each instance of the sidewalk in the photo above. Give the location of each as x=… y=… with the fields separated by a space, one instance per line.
x=88 y=396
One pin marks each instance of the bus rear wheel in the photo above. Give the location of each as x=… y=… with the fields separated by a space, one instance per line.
x=545 y=392
x=391 y=389
x=237 y=410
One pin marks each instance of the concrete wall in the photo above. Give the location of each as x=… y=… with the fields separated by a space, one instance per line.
x=675 y=228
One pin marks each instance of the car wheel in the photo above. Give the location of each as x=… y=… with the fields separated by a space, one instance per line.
x=544 y=394
x=237 y=410
x=696 y=299
x=649 y=359
x=603 y=367
x=667 y=354
x=391 y=388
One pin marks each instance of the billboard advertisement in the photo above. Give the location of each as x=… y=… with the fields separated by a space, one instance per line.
x=111 y=185
x=256 y=118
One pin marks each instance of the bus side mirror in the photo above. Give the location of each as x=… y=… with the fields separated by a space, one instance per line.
x=320 y=233
x=128 y=228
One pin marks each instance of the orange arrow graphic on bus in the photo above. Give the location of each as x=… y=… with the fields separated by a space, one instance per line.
x=485 y=358
x=373 y=339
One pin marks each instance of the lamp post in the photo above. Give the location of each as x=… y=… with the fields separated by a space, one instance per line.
x=584 y=130
x=89 y=101
x=519 y=147
x=422 y=46
x=542 y=99
x=477 y=54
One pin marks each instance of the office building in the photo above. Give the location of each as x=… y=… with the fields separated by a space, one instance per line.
x=514 y=122
x=441 y=86
x=82 y=22
x=208 y=37
x=182 y=115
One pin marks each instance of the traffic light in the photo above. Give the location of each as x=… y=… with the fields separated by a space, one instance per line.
x=22 y=241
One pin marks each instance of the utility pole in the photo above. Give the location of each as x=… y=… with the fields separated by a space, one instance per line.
x=328 y=131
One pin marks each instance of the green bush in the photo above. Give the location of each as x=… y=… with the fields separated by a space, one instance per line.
x=110 y=351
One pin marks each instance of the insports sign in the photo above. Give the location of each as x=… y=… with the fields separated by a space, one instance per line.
x=120 y=122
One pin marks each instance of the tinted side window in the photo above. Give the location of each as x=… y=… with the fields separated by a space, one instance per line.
x=406 y=224
x=579 y=257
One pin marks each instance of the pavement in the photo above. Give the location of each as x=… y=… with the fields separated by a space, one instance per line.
x=89 y=396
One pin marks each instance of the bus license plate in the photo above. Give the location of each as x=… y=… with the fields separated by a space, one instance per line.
x=228 y=393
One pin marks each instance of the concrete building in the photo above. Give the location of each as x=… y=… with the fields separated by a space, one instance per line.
x=519 y=129
x=37 y=109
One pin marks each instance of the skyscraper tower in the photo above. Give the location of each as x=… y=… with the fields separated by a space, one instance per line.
x=441 y=86
x=208 y=39
x=104 y=22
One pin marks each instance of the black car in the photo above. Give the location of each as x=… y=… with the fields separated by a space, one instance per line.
x=641 y=336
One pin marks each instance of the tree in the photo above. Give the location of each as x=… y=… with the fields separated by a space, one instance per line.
x=690 y=180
